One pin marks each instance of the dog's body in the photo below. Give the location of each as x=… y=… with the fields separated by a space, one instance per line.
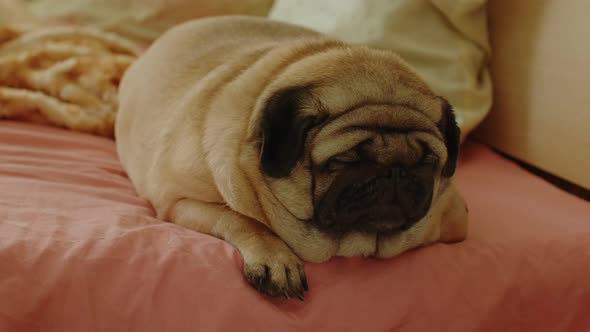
x=284 y=142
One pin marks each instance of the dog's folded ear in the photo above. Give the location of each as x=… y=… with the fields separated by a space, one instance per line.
x=284 y=129
x=452 y=135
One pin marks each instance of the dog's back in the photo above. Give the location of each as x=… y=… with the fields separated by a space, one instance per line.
x=188 y=66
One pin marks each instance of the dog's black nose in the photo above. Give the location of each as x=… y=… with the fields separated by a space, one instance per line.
x=375 y=198
x=414 y=193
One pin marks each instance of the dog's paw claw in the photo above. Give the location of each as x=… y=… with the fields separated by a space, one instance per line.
x=279 y=276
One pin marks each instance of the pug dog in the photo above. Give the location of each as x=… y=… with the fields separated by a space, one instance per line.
x=289 y=145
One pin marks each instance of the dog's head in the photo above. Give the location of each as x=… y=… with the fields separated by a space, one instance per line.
x=359 y=144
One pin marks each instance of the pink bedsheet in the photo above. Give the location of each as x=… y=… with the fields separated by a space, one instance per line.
x=80 y=252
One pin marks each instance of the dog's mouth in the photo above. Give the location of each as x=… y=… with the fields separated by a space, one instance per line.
x=374 y=198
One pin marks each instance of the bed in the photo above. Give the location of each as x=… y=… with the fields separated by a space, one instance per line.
x=79 y=251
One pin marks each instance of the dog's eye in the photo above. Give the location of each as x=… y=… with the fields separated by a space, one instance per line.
x=347 y=157
x=342 y=161
x=430 y=159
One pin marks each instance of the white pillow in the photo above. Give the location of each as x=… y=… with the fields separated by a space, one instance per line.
x=446 y=41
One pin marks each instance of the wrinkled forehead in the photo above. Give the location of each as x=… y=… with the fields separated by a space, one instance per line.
x=339 y=98
x=367 y=106
x=349 y=128
x=391 y=133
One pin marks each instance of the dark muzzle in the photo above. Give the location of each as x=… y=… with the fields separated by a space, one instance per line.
x=376 y=198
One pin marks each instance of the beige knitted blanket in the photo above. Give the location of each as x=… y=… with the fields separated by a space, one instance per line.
x=64 y=76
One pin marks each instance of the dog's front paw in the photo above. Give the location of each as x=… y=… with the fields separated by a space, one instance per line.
x=276 y=271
